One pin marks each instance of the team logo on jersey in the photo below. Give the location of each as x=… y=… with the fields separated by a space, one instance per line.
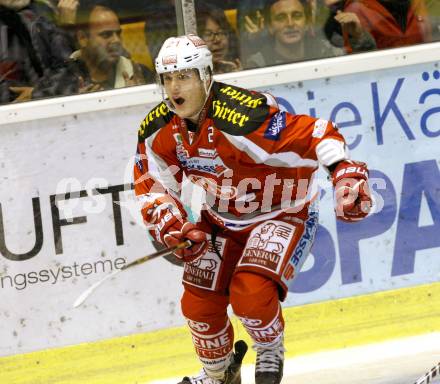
x=276 y=124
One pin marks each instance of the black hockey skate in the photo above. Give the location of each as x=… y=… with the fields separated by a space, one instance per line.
x=269 y=365
x=232 y=374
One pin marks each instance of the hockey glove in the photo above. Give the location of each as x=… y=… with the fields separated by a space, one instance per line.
x=168 y=225
x=352 y=194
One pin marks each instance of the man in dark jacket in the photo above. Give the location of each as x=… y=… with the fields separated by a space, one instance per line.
x=34 y=55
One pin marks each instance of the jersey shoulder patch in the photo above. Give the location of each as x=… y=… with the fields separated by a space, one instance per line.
x=157 y=118
x=237 y=111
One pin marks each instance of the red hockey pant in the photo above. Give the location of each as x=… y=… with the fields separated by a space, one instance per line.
x=254 y=299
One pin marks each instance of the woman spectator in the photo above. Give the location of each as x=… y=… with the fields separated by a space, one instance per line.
x=222 y=41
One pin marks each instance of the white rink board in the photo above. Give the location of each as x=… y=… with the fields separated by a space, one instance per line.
x=391 y=120
x=398 y=247
x=35 y=159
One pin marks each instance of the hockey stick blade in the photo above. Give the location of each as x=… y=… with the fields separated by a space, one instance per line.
x=83 y=297
x=429 y=376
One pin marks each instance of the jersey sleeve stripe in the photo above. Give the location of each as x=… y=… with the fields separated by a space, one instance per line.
x=162 y=171
x=260 y=156
x=329 y=151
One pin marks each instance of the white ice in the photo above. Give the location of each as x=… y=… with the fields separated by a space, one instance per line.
x=401 y=361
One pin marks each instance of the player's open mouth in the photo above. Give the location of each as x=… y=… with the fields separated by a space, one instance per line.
x=178 y=100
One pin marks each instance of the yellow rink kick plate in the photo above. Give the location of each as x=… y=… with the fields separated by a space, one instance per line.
x=166 y=353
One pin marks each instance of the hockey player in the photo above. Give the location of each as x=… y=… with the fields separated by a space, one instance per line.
x=257 y=165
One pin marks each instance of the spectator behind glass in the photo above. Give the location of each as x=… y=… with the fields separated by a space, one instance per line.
x=215 y=29
x=287 y=22
x=333 y=29
x=342 y=25
x=160 y=23
x=100 y=58
x=434 y=16
x=34 y=55
x=61 y=12
x=250 y=24
x=392 y=23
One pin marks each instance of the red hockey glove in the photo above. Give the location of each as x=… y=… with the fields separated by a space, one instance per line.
x=187 y=231
x=352 y=194
x=169 y=226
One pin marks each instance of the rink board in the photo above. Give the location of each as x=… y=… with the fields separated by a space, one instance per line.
x=168 y=353
x=54 y=245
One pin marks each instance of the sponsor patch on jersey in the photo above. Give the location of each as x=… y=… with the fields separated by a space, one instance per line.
x=156 y=118
x=204 y=272
x=202 y=164
x=276 y=124
x=138 y=161
x=267 y=245
x=208 y=153
x=320 y=128
x=237 y=111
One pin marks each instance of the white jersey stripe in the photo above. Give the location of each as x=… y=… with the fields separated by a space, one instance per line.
x=158 y=168
x=260 y=156
x=329 y=151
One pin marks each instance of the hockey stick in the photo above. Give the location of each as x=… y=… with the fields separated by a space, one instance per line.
x=429 y=376
x=83 y=297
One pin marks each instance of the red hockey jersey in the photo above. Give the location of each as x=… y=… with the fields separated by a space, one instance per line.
x=254 y=160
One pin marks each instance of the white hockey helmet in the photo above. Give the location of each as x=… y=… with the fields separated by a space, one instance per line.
x=185 y=52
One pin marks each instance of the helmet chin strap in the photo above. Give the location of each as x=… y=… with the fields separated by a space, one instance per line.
x=207 y=91
x=170 y=105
